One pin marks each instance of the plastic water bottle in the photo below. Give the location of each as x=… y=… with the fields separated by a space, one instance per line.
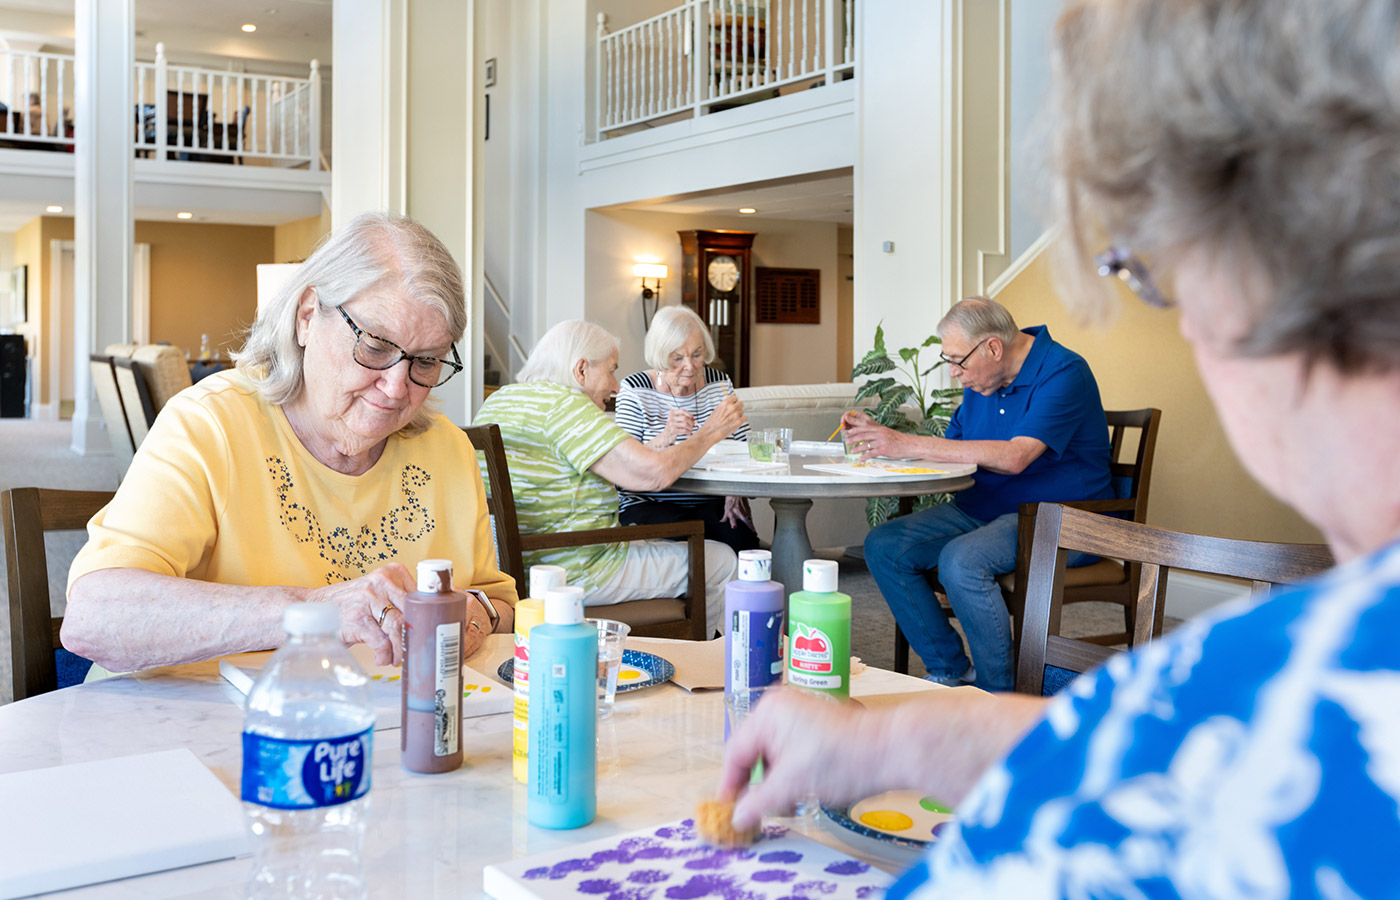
x=307 y=740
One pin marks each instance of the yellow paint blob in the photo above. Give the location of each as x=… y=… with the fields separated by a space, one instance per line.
x=628 y=675
x=887 y=820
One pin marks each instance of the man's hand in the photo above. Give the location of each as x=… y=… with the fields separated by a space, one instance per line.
x=874 y=439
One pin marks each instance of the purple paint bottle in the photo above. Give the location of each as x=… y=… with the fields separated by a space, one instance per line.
x=753 y=630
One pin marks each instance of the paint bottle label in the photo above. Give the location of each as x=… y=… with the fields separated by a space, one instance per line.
x=448 y=689
x=813 y=662
x=755 y=644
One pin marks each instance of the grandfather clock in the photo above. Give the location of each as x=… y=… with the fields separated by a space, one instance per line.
x=717 y=283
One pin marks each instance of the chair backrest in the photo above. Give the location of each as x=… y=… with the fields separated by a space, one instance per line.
x=1060 y=529
x=1133 y=477
x=136 y=399
x=165 y=369
x=104 y=383
x=28 y=514
x=500 y=502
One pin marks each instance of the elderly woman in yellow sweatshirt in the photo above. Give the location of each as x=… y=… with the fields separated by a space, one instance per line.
x=313 y=471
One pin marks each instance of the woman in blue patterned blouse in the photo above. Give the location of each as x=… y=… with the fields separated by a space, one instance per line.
x=1250 y=149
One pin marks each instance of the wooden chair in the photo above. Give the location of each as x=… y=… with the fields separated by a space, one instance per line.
x=104 y=383
x=1105 y=580
x=1152 y=551
x=136 y=399
x=28 y=514
x=682 y=617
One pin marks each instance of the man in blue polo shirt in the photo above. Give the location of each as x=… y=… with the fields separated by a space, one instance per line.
x=1032 y=421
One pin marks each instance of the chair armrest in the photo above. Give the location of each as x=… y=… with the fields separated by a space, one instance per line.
x=1095 y=506
x=621 y=533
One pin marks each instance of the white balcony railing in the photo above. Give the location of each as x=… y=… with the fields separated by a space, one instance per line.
x=651 y=71
x=181 y=112
x=36 y=90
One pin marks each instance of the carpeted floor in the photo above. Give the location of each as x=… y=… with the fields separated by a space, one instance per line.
x=37 y=454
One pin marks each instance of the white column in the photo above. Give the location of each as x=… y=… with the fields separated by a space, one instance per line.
x=102 y=216
x=413 y=151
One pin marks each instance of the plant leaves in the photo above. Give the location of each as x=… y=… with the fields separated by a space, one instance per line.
x=880 y=509
x=880 y=338
x=874 y=388
x=931 y=340
x=872 y=365
x=908 y=353
x=891 y=401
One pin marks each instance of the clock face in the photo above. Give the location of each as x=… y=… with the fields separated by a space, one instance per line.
x=723 y=273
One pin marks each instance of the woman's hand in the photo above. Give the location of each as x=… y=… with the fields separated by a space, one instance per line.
x=679 y=423
x=736 y=510
x=369 y=610
x=475 y=628
x=726 y=418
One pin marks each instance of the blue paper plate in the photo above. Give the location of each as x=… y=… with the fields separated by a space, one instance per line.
x=645 y=669
x=925 y=819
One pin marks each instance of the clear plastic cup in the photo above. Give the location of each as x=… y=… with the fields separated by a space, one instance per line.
x=611 y=636
x=782 y=444
x=853 y=448
x=763 y=443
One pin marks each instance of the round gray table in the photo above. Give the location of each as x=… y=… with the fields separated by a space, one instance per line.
x=790 y=492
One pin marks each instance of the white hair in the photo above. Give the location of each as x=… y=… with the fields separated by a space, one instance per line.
x=671 y=327
x=561 y=348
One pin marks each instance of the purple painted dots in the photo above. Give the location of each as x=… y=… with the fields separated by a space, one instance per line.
x=597 y=886
x=779 y=875
x=647 y=876
x=781 y=856
x=847 y=867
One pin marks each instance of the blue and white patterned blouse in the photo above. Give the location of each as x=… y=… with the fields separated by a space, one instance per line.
x=1252 y=755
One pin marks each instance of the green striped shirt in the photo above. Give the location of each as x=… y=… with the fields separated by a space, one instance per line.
x=552 y=435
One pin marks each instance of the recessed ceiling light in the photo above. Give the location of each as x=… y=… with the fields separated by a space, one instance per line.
x=250 y=28
x=747 y=210
x=184 y=215
x=53 y=209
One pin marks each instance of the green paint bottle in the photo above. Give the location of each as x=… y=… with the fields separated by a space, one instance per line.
x=819 y=639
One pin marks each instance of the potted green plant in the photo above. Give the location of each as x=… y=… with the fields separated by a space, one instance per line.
x=910 y=386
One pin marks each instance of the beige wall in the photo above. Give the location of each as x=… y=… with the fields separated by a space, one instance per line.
x=293 y=242
x=1141 y=360
x=778 y=354
x=203 y=281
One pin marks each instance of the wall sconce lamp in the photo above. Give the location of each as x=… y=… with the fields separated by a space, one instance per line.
x=651 y=296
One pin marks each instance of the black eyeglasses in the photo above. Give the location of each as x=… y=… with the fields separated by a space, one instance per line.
x=1120 y=261
x=962 y=363
x=377 y=353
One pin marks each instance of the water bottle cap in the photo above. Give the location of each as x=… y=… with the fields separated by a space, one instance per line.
x=755 y=565
x=819 y=576
x=563 y=605
x=542 y=578
x=311 y=618
x=435 y=576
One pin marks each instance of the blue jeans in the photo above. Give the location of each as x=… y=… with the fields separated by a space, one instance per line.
x=968 y=553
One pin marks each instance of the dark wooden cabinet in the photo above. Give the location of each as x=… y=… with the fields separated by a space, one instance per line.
x=717 y=283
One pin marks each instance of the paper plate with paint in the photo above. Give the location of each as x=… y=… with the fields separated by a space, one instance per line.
x=906 y=819
x=639 y=669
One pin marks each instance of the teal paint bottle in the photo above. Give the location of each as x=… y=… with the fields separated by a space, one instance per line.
x=563 y=753
x=819 y=638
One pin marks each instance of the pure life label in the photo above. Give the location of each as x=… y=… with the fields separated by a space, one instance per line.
x=305 y=774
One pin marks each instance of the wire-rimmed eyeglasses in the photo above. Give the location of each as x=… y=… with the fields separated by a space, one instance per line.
x=374 y=352
x=962 y=363
x=1120 y=261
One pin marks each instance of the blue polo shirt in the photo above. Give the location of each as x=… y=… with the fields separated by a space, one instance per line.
x=1054 y=399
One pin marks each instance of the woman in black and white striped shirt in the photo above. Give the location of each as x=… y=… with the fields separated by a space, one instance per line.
x=664 y=405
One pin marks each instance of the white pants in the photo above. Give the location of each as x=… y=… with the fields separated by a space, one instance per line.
x=662 y=569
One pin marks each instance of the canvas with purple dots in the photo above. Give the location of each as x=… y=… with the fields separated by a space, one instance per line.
x=670 y=863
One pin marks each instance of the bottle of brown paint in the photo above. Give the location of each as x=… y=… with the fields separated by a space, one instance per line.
x=434 y=617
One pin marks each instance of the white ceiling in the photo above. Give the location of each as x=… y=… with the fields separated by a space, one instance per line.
x=824 y=197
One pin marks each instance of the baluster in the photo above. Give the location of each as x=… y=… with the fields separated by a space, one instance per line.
x=62 y=119
x=848 y=5
x=645 y=34
x=44 y=96
x=282 y=117
x=806 y=60
x=26 y=127
x=610 y=114
x=140 y=105
x=242 y=139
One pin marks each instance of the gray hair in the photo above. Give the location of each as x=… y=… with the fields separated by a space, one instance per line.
x=555 y=355
x=373 y=251
x=978 y=319
x=671 y=327
x=1264 y=133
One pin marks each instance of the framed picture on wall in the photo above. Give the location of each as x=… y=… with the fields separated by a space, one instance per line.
x=19 y=294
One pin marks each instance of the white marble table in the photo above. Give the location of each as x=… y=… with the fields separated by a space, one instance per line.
x=791 y=490
x=428 y=836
